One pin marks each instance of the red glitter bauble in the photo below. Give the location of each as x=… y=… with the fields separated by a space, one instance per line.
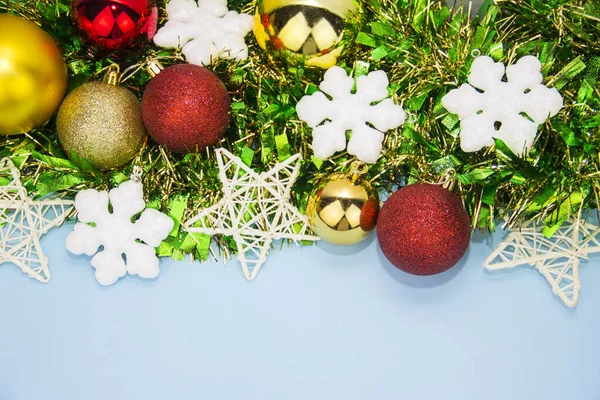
x=423 y=229
x=109 y=26
x=186 y=108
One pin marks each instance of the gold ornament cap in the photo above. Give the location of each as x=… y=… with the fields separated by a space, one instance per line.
x=154 y=67
x=113 y=75
x=448 y=179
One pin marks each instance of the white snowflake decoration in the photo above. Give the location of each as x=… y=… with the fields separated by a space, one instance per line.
x=121 y=238
x=255 y=209
x=557 y=258
x=498 y=111
x=205 y=31
x=23 y=221
x=350 y=111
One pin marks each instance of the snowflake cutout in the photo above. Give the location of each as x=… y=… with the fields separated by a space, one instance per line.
x=255 y=209
x=205 y=31
x=23 y=221
x=121 y=238
x=511 y=110
x=557 y=258
x=350 y=111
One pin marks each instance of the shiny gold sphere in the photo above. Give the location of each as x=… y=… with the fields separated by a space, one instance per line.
x=341 y=211
x=33 y=75
x=101 y=123
x=303 y=28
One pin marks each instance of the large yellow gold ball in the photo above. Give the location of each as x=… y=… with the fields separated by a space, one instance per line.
x=101 y=123
x=342 y=211
x=303 y=28
x=33 y=75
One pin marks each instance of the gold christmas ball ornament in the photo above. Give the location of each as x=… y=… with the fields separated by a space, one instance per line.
x=343 y=209
x=33 y=75
x=303 y=28
x=101 y=122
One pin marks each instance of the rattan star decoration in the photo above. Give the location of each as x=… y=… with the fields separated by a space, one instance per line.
x=557 y=258
x=254 y=210
x=23 y=221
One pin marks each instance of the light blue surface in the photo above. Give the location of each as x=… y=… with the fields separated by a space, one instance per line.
x=318 y=323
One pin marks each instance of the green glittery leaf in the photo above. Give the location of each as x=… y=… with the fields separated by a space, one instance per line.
x=283 y=147
x=50 y=182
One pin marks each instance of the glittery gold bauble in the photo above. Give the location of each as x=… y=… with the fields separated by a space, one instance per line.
x=343 y=209
x=101 y=123
x=309 y=28
x=33 y=75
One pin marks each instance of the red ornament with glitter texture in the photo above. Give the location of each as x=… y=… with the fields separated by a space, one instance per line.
x=423 y=229
x=186 y=108
x=111 y=26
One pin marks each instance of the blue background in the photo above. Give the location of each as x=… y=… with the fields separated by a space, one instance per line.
x=320 y=322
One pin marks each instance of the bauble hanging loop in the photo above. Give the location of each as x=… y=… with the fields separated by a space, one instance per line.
x=358 y=170
x=154 y=67
x=343 y=208
x=448 y=179
x=136 y=174
x=113 y=75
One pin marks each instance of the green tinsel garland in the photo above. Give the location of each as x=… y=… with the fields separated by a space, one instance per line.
x=427 y=50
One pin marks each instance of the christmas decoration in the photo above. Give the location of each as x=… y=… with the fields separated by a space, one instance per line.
x=350 y=111
x=255 y=209
x=343 y=209
x=205 y=31
x=128 y=247
x=186 y=108
x=423 y=229
x=31 y=88
x=101 y=122
x=425 y=49
x=110 y=26
x=309 y=28
x=557 y=258
x=510 y=110
x=23 y=221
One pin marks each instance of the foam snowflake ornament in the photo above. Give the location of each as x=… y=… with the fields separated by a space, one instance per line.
x=557 y=258
x=129 y=247
x=254 y=210
x=330 y=118
x=24 y=220
x=510 y=111
x=205 y=31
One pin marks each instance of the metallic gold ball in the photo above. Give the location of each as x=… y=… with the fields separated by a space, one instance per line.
x=341 y=211
x=33 y=75
x=101 y=123
x=309 y=28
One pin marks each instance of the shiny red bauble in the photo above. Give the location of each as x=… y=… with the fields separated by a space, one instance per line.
x=186 y=108
x=110 y=26
x=423 y=229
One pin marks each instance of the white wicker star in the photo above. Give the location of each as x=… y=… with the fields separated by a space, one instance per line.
x=255 y=209
x=557 y=258
x=23 y=221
